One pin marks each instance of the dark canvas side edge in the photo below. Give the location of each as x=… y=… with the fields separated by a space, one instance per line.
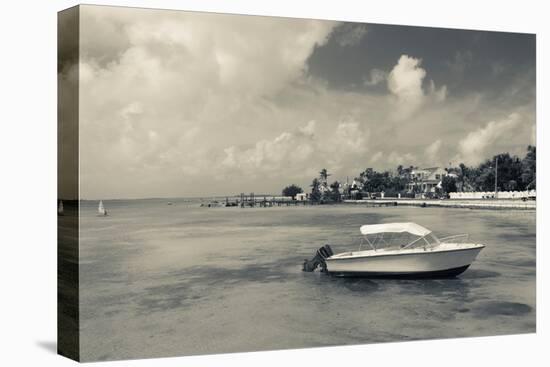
x=68 y=313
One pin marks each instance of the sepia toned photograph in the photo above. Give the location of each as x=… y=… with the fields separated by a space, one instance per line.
x=236 y=183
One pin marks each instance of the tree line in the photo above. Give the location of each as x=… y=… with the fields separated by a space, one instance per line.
x=513 y=174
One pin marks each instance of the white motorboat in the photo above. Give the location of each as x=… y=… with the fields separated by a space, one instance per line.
x=399 y=250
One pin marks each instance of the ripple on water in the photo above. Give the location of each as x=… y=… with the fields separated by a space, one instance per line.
x=359 y=285
x=505 y=308
x=479 y=274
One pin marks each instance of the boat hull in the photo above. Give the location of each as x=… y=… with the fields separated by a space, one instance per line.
x=425 y=264
x=437 y=274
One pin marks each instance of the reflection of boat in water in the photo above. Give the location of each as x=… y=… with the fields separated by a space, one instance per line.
x=101 y=209
x=399 y=250
x=60 y=210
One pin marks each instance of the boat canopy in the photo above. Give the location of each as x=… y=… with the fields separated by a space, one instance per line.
x=407 y=227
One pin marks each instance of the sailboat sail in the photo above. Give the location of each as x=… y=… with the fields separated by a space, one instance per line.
x=60 y=207
x=101 y=208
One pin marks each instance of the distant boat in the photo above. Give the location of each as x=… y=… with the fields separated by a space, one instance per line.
x=101 y=209
x=60 y=208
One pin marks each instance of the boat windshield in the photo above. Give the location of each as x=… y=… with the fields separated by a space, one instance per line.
x=395 y=241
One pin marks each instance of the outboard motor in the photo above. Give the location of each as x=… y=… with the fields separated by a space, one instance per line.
x=318 y=260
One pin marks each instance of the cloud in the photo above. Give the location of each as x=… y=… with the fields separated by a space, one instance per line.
x=461 y=60
x=349 y=138
x=309 y=129
x=149 y=78
x=290 y=151
x=376 y=157
x=346 y=147
x=350 y=34
x=406 y=159
x=286 y=152
x=432 y=151
x=474 y=147
x=131 y=110
x=181 y=103
x=439 y=95
x=377 y=76
x=405 y=84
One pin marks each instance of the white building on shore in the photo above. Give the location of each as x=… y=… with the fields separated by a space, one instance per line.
x=426 y=179
x=527 y=194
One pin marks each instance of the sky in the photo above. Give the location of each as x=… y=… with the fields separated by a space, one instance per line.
x=176 y=103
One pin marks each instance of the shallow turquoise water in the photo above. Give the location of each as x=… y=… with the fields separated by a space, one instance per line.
x=164 y=280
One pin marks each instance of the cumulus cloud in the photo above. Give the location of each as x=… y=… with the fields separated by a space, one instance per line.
x=439 y=95
x=350 y=138
x=285 y=152
x=405 y=84
x=290 y=151
x=346 y=146
x=394 y=159
x=432 y=151
x=180 y=103
x=376 y=157
x=474 y=147
x=162 y=74
x=308 y=129
x=350 y=34
x=376 y=77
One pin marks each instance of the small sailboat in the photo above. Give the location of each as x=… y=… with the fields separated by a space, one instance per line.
x=101 y=209
x=60 y=208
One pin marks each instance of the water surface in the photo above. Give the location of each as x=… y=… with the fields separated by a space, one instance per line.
x=164 y=280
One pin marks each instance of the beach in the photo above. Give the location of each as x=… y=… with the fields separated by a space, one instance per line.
x=166 y=280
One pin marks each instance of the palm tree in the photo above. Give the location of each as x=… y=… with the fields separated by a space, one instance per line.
x=323 y=175
x=315 y=184
x=335 y=191
x=529 y=168
x=400 y=170
x=315 y=192
x=462 y=174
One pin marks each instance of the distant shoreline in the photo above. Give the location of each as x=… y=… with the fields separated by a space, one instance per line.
x=495 y=204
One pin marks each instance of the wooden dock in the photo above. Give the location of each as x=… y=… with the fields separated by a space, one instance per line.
x=264 y=201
